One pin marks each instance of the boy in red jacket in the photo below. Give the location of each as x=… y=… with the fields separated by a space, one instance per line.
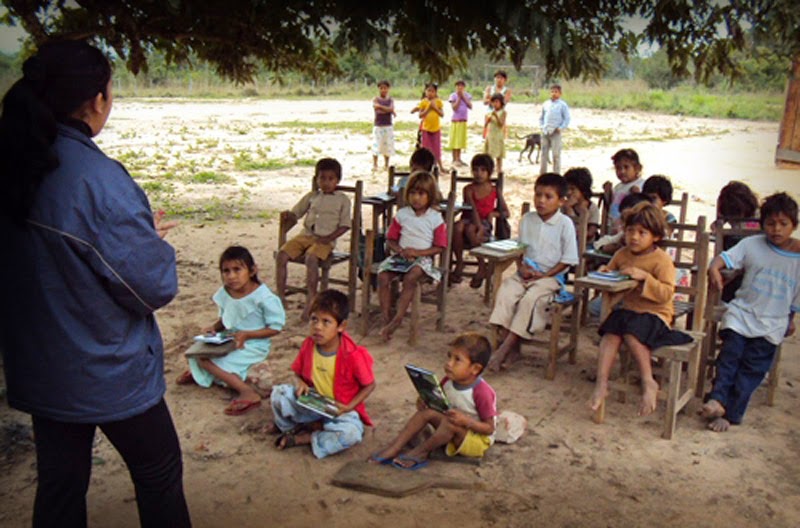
x=331 y=364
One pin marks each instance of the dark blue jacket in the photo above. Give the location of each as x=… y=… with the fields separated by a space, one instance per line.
x=80 y=282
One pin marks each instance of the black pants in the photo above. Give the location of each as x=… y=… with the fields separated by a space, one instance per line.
x=149 y=445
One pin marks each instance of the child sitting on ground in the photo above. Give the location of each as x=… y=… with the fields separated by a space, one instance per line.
x=521 y=306
x=629 y=172
x=253 y=314
x=735 y=204
x=417 y=234
x=331 y=363
x=579 y=201
x=761 y=314
x=467 y=429
x=327 y=217
x=475 y=226
x=643 y=322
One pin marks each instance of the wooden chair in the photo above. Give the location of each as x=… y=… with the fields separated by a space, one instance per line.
x=563 y=314
x=438 y=296
x=673 y=360
x=715 y=311
x=336 y=257
x=455 y=179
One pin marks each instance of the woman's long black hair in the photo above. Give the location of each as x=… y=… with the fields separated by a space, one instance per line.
x=56 y=82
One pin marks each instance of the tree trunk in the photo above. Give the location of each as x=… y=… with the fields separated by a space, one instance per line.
x=787 y=155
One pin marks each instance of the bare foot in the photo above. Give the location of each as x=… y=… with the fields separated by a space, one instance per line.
x=498 y=356
x=270 y=428
x=712 y=409
x=719 y=425
x=512 y=357
x=388 y=330
x=382 y=457
x=598 y=397
x=649 y=397
x=292 y=440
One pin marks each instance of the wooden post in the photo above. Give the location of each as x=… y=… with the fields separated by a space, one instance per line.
x=787 y=154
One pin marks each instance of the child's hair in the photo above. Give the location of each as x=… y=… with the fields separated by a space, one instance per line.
x=632 y=200
x=660 y=186
x=553 y=179
x=477 y=345
x=776 y=204
x=581 y=178
x=482 y=160
x=425 y=182
x=328 y=164
x=332 y=302
x=736 y=200
x=627 y=154
x=647 y=215
x=461 y=82
x=384 y=82
x=241 y=254
x=501 y=73
x=423 y=157
x=555 y=86
x=433 y=85
x=498 y=97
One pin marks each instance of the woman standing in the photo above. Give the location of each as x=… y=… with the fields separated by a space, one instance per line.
x=85 y=269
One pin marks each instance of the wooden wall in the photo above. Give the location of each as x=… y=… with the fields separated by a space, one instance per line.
x=788 y=152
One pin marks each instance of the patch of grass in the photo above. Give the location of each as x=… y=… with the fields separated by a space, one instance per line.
x=210 y=177
x=244 y=161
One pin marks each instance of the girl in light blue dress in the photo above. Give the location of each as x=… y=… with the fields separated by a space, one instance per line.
x=252 y=314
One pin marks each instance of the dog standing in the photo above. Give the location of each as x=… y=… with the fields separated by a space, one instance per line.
x=531 y=142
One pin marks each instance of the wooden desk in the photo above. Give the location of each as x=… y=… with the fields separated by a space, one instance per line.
x=381 y=211
x=497 y=261
x=612 y=291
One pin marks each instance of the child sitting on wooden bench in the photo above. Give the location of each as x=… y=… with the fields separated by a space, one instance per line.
x=760 y=315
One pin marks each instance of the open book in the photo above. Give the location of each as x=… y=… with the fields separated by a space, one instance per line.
x=399 y=264
x=211 y=346
x=314 y=401
x=508 y=244
x=613 y=276
x=428 y=387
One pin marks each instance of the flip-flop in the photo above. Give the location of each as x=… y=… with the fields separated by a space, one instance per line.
x=418 y=463
x=380 y=460
x=237 y=407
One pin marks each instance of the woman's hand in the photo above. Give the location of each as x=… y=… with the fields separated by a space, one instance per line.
x=161 y=226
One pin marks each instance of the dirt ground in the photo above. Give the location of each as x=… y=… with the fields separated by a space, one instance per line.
x=565 y=471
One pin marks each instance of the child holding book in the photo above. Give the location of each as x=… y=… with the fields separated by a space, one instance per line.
x=521 y=308
x=327 y=217
x=253 y=315
x=416 y=235
x=643 y=322
x=467 y=429
x=333 y=365
x=760 y=315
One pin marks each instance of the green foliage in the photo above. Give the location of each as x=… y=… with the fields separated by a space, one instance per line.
x=210 y=177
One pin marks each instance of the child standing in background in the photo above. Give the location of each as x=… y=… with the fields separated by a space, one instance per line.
x=554 y=119
x=762 y=313
x=499 y=86
x=431 y=111
x=461 y=102
x=495 y=144
x=253 y=314
x=629 y=172
x=383 y=131
x=467 y=429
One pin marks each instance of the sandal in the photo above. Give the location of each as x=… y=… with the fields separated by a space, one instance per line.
x=186 y=379
x=285 y=440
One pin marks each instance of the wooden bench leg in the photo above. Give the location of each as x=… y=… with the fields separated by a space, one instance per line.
x=672 y=399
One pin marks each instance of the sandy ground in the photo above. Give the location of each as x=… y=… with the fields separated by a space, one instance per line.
x=565 y=471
